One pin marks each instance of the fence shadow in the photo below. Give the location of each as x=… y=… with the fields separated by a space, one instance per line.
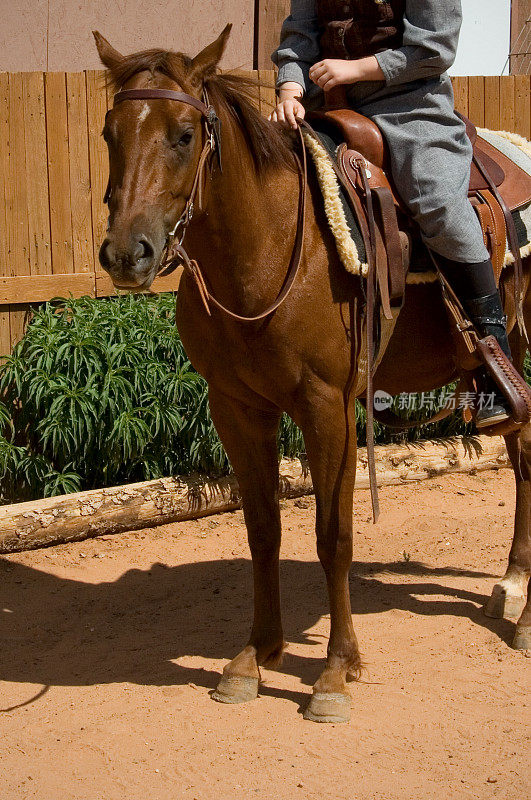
x=58 y=631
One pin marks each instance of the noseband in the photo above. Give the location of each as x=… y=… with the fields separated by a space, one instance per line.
x=174 y=254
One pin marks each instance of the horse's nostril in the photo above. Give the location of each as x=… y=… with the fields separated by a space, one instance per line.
x=104 y=254
x=144 y=249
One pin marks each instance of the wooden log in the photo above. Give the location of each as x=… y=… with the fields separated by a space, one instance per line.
x=26 y=526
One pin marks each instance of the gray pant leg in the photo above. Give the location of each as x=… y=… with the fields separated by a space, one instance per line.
x=430 y=163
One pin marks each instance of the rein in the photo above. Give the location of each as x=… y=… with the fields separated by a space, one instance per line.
x=174 y=253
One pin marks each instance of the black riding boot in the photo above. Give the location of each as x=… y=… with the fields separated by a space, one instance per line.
x=475 y=286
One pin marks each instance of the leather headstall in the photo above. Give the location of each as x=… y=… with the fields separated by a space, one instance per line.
x=174 y=254
x=173 y=251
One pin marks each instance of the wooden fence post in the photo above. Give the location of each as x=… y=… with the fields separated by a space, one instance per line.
x=270 y=14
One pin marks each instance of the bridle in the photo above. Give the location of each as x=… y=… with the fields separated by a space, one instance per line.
x=174 y=254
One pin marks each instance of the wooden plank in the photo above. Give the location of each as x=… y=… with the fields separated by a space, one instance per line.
x=522 y=105
x=507 y=111
x=460 y=85
x=5 y=331
x=80 y=199
x=5 y=317
x=58 y=172
x=492 y=102
x=19 y=315
x=109 y=92
x=16 y=194
x=37 y=174
x=17 y=201
x=476 y=100
x=169 y=283
x=37 y=288
x=267 y=91
x=270 y=14
x=33 y=289
x=98 y=160
x=4 y=169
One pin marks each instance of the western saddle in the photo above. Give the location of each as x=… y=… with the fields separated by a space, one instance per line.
x=497 y=187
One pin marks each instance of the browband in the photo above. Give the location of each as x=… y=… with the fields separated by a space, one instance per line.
x=164 y=94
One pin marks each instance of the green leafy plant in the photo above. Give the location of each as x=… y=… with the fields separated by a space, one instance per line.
x=101 y=392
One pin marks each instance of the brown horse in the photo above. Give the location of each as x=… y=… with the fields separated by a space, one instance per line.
x=297 y=359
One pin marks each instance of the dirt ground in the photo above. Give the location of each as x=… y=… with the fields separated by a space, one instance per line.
x=109 y=649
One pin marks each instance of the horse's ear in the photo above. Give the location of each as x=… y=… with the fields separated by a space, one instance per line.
x=207 y=60
x=109 y=56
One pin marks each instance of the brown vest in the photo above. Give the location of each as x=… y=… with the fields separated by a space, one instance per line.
x=358 y=28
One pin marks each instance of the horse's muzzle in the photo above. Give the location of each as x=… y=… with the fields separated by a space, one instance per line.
x=130 y=266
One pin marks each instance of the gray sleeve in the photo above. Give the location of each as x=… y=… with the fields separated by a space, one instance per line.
x=299 y=44
x=431 y=34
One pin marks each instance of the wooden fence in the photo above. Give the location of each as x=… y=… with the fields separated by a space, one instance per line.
x=53 y=174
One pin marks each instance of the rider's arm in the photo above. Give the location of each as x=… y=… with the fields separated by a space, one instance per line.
x=431 y=34
x=299 y=45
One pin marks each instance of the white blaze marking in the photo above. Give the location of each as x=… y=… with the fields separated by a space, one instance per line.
x=143 y=114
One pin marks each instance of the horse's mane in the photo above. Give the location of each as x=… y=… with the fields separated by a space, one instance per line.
x=271 y=146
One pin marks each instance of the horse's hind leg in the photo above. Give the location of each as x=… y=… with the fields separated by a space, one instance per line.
x=330 y=438
x=250 y=440
x=509 y=596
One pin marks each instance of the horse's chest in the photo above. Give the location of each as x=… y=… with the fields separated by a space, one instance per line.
x=233 y=354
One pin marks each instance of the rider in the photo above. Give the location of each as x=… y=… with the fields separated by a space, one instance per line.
x=391 y=56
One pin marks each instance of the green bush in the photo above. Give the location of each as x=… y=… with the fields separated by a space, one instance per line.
x=100 y=392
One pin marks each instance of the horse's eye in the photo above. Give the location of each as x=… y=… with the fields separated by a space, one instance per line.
x=107 y=135
x=183 y=140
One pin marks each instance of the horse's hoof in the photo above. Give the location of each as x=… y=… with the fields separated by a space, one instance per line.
x=522 y=638
x=236 y=689
x=328 y=707
x=500 y=605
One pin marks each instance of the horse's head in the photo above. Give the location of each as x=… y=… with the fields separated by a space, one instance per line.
x=154 y=150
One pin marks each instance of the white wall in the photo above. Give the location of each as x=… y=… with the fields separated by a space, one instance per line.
x=485 y=38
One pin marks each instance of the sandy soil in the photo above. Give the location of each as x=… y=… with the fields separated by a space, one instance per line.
x=109 y=649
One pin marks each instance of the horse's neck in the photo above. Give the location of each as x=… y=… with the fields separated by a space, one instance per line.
x=245 y=235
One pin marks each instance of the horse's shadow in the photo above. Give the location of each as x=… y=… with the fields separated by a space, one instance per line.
x=59 y=631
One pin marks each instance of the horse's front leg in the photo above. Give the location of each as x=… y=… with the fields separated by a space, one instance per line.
x=249 y=436
x=330 y=436
x=510 y=596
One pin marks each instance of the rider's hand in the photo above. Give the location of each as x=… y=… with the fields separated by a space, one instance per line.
x=289 y=108
x=338 y=71
x=288 y=112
